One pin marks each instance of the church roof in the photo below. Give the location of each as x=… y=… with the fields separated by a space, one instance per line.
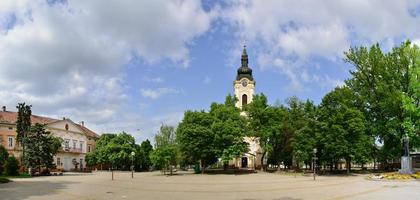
x=244 y=71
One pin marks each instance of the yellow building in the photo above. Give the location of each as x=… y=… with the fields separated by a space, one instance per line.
x=77 y=139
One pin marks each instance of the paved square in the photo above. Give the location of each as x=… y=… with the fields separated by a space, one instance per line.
x=153 y=185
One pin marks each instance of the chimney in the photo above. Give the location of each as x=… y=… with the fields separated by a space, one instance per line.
x=82 y=123
x=3 y=108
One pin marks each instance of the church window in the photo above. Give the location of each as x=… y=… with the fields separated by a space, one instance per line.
x=67 y=127
x=244 y=99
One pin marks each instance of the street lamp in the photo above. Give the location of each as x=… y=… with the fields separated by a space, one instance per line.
x=314 y=158
x=132 y=164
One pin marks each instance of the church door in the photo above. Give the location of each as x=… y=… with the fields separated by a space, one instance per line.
x=244 y=163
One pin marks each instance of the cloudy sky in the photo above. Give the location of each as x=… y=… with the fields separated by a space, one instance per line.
x=133 y=65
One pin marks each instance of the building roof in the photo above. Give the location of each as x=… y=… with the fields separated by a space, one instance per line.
x=88 y=132
x=11 y=118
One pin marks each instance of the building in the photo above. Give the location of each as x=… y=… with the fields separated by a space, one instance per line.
x=77 y=139
x=244 y=88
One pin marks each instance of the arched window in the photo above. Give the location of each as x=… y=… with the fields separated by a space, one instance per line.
x=244 y=99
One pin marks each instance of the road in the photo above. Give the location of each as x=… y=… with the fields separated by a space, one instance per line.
x=153 y=185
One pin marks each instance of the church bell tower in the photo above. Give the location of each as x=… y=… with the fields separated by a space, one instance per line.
x=244 y=84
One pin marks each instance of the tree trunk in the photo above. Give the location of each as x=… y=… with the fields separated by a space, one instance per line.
x=348 y=165
x=202 y=166
x=262 y=161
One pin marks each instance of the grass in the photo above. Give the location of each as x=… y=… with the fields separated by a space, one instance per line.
x=4 y=180
x=23 y=175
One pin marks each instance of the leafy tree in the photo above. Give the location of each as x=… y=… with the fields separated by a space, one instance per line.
x=343 y=134
x=164 y=157
x=381 y=82
x=3 y=157
x=196 y=139
x=41 y=146
x=143 y=161
x=23 y=124
x=90 y=159
x=166 y=151
x=12 y=166
x=258 y=122
x=119 y=150
x=228 y=129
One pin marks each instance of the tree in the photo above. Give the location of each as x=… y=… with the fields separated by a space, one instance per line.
x=196 y=139
x=41 y=146
x=23 y=124
x=381 y=81
x=258 y=122
x=166 y=153
x=228 y=129
x=343 y=134
x=12 y=166
x=119 y=150
x=90 y=159
x=144 y=151
x=164 y=157
x=3 y=158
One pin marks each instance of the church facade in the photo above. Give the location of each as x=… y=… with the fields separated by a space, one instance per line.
x=244 y=88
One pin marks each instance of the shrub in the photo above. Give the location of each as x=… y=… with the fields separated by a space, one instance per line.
x=3 y=157
x=12 y=166
x=4 y=180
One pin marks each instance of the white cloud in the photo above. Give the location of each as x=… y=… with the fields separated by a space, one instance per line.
x=67 y=59
x=156 y=93
x=154 y=80
x=287 y=35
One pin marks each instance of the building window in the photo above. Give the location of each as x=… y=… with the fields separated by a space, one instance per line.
x=81 y=145
x=74 y=144
x=67 y=144
x=88 y=148
x=66 y=127
x=244 y=99
x=10 y=141
x=58 y=161
x=10 y=128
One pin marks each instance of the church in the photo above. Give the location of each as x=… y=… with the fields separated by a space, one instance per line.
x=244 y=88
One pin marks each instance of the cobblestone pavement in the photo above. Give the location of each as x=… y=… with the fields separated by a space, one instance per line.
x=153 y=185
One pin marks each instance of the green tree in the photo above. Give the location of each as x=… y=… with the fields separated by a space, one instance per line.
x=381 y=81
x=143 y=162
x=228 y=129
x=119 y=150
x=23 y=124
x=90 y=159
x=41 y=146
x=12 y=166
x=3 y=157
x=166 y=151
x=164 y=157
x=343 y=134
x=196 y=139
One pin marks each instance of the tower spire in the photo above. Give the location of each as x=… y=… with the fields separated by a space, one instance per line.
x=244 y=59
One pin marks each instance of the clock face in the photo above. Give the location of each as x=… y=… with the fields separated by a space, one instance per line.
x=244 y=83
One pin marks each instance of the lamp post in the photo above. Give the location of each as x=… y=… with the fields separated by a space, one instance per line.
x=314 y=158
x=132 y=164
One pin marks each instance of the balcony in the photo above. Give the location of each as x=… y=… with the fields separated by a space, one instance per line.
x=71 y=150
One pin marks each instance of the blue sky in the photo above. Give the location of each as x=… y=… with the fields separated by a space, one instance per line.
x=133 y=65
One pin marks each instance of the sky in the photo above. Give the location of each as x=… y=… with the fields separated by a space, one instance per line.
x=134 y=65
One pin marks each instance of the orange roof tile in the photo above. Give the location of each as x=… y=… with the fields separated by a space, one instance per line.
x=11 y=118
